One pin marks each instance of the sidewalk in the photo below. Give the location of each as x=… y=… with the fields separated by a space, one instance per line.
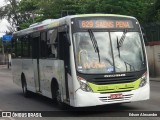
x=3 y=66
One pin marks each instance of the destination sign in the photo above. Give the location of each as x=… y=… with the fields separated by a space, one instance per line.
x=116 y=24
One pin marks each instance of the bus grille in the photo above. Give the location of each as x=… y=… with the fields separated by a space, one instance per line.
x=114 y=80
x=108 y=99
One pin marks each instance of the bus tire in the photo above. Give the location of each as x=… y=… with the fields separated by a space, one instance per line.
x=56 y=94
x=24 y=87
x=59 y=102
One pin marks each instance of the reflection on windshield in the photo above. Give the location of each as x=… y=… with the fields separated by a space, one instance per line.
x=94 y=42
x=87 y=61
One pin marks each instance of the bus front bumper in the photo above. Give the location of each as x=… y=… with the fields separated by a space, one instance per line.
x=84 y=99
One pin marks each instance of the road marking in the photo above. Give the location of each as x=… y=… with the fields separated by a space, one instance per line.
x=7 y=117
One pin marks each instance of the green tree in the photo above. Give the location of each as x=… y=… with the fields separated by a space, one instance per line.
x=153 y=13
x=30 y=9
x=0 y=45
x=25 y=12
x=19 y=13
x=10 y=12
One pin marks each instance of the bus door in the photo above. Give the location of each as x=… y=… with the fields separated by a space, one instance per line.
x=35 y=59
x=64 y=55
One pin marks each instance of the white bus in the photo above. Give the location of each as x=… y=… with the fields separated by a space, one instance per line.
x=83 y=60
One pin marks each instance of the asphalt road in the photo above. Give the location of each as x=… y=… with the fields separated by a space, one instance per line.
x=11 y=99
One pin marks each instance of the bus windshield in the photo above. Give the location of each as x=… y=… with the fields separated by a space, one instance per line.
x=114 y=56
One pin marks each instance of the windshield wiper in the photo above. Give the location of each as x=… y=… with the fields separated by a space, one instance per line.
x=130 y=66
x=120 y=42
x=94 y=42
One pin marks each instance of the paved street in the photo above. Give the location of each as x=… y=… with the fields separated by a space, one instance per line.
x=11 y=99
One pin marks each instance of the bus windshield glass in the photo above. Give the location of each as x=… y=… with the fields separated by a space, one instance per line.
x=116 y=54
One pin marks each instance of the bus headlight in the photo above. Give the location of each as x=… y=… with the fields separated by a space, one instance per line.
x=83 y=85
x=143 y=80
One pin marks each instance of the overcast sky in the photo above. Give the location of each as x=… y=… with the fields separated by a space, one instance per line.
x=3 y=23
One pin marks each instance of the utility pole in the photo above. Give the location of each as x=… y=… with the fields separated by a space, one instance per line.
x=2 y=42
x=2 y=48
x=3 y=52
x=2 y=56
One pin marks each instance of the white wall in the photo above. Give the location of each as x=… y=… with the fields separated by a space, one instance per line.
x=2 y=59
x=153 y=55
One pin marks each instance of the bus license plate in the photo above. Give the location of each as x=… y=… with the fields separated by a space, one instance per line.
x=116 y=96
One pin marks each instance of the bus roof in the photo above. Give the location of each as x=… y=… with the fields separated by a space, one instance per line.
x=109 y=15
x=51 y=23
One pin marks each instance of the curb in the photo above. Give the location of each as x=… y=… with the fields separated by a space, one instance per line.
x=2 y=66
x=155 y=79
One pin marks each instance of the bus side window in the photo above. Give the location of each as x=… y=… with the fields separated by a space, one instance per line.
x=29 y=46
x=52 y=41
x=18 y=48
x=25 y=47
x=43 y=45
x=35 y=45
x=13 y=42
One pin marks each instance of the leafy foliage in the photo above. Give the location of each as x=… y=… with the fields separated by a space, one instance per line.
x=25 y=12
x=153 y=13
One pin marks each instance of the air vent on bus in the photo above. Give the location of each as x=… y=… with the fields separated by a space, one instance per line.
x=114 y=80
x=124 y=98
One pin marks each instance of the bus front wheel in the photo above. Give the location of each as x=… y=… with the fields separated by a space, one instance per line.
x=59 y=102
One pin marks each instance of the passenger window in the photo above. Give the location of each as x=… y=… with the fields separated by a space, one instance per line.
x=52 y=41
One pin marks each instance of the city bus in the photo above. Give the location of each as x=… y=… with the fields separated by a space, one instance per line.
x=82 y=60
